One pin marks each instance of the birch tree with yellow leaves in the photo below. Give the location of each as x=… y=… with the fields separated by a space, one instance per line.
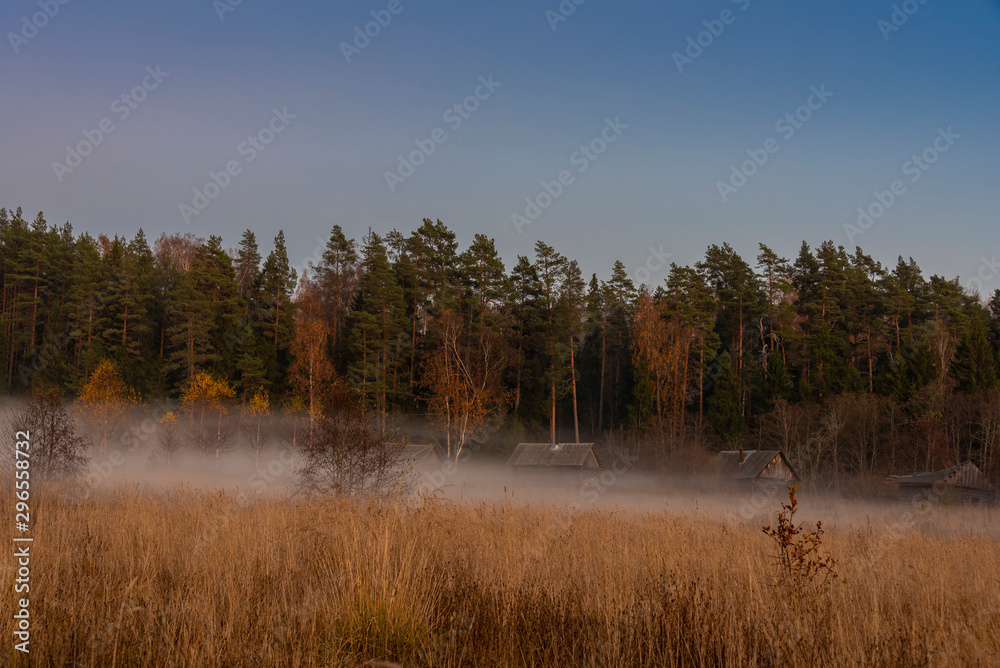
x=104 y=401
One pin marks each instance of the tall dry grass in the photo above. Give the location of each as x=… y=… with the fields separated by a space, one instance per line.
x=181 y=578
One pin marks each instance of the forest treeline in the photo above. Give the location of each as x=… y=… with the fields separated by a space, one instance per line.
x=847 y=364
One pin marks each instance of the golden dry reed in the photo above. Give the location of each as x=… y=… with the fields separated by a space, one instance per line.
x=185 y=578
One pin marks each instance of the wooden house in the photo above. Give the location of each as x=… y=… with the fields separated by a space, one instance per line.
x=962 y=483
x=757 y=469
x=553 y=464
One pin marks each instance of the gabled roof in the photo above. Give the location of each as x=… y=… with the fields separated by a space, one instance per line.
x=754 y=463
x=554 y=455
x=965 y=475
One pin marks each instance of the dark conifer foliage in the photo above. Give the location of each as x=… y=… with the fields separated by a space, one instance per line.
x=747 y=339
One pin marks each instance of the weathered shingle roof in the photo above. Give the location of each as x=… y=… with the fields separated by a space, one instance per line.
x=754 y=463
x=965 y=475
x=554 y=455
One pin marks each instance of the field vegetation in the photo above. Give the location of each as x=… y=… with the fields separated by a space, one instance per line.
x=148 y=577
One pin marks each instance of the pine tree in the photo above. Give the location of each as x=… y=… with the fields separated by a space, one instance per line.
x=523 y=308
x=436 y=259
x=550 y=268
x=947 y=304
x=829 y=345
x=622 y=299
x=49 y=363
x=36 y=269
x=690 y=297
x=572 y=305
x=779 y=311
x=427 y=269
x=809 y=305
x=19 y=289
x=834 y=322
x=906 y=290
x=377 y=326
x=738 y=292
x=866 y=326
x=484 y=279
x=994 y=310
x=593 y=355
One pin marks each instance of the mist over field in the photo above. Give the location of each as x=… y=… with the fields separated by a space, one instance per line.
x=436 y=334
x=330 y=542
x=135 y=458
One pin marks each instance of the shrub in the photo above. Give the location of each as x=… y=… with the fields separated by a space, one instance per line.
x=57 y=449
x=804 y=568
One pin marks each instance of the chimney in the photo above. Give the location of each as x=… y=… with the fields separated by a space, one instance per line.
x=742 y=458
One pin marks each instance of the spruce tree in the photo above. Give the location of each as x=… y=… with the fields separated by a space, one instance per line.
x=777 y=384
x=87 y=307
x=337 y=278
x=975 y=366
x=275 y=314
x=129 y=298
x=251 y=373
x=247 y=268
x=192 y=321
x=724 y=411
x=224 y=293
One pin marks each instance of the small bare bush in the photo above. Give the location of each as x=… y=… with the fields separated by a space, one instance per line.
x=57 y=448
x=347 y=450
x=803 y=565
x=170 y=441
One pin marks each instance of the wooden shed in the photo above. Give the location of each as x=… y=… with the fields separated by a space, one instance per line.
x=559 y=464
x=757 y=469
x=963 y=482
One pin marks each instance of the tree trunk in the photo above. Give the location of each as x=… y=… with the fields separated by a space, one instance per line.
x=701 y=385
x=604 y=357
x=572 y=371
x=552 y=423
x=871 y=368
x=277 y=317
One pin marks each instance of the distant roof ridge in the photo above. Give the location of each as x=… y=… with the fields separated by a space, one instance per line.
x=552 y=454
x=753 y=464
x=558 y=443
x=974 y=477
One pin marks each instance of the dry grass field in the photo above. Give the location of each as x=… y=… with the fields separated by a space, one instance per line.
x=186 y=578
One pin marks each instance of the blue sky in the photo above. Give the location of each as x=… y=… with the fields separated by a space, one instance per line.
x=655 y=186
